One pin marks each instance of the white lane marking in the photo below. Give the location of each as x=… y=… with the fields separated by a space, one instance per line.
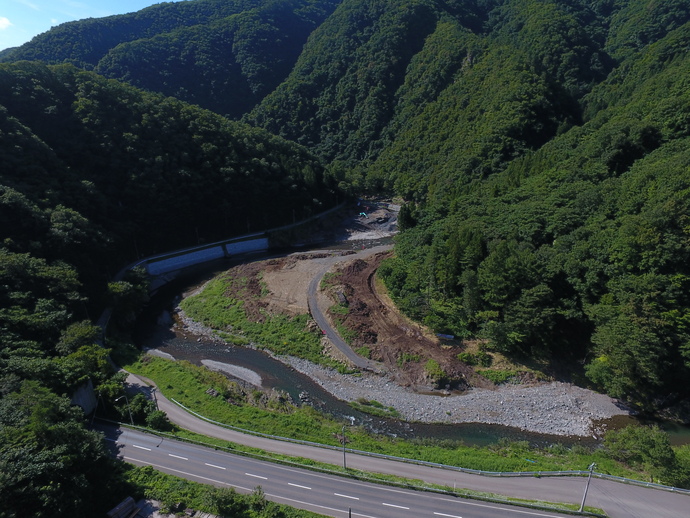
x=346 y=496
x=177 y=456
x=448 y=515
x=475 y=504
x=256 y=476
x=141 y=447
x=396 y=506
x=214 y=466
x=278 y=497
x=143 y=462
x=111 y=440
x=297 y=485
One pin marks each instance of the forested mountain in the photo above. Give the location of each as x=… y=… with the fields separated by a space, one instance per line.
x=542 y=147
x=224 y=55
x=94 y=174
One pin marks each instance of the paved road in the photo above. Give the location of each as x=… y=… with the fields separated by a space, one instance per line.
x=330 y=495
x=618 y=500
x=318 y=315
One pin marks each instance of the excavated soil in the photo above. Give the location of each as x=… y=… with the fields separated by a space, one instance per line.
x=403 y=347
x=400 y=348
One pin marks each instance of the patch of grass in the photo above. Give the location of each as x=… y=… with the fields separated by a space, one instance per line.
x=330 y=279
x=349 y=335
x=480 y=358
x=361 y=475
x=364 y=352
x=435 y=372
x=339 y=309
x=407 y=357
x=281 y=334
x=177 y=494
x=187 y=384
x=498 y=376
x=373 y=407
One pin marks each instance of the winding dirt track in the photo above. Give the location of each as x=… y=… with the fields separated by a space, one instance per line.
x=317 y=311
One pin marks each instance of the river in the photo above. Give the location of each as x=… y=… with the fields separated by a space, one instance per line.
x=154 y=330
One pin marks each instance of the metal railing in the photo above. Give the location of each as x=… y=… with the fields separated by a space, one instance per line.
x=536 y=474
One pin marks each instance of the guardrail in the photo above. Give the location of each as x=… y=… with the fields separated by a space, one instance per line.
x=536 y=474
x=217 y=250
x=222 y=248
x=103 y=321
x=467 y=494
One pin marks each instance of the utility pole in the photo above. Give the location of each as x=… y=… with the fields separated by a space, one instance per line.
x=589 y=477
x=344 y=441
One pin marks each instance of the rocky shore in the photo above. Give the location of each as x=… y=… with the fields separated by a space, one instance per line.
x=549 y=408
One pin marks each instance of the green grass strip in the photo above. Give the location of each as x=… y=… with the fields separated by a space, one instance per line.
x=187 y=384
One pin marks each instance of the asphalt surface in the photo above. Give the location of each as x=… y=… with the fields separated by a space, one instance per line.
x=330 y=495
x=321 y=320
x=617 y=499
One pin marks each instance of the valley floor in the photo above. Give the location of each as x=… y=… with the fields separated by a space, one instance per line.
x=543 y=407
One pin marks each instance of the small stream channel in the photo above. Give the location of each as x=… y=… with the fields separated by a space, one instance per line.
x=154 y=330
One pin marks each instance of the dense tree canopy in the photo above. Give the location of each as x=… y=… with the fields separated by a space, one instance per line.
x=542 y=148
x=540 y=145
x=94 y=174
x=222 y=55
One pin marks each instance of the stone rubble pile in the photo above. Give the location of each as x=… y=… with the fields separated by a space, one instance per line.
x=548 y=408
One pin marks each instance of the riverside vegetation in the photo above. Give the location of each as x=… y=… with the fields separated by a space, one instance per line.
x=635 y=452
x=541 y=147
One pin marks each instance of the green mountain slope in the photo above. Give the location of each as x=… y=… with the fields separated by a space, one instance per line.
x=94 y=165
x=224 y=56
x=580 y=249
x=84 y=43
x=94 y=174
x=540 y=145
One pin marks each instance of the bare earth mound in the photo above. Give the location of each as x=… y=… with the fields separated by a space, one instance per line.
x=402 y=346
x=404 y=349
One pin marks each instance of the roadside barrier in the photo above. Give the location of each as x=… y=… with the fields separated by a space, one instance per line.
x=363 y=476
x=536 y=474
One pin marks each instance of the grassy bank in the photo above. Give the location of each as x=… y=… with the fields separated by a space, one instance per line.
x=221 y=305
x=371 y=477
x=176 y=495
x=188 y=384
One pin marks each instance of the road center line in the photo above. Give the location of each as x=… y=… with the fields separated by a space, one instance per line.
x=346 y=496
x=448 y=515
x=297 y=485
x=396 y=506
x=214 y=466
x=256 y=476
x=141 y=447
x=177 y=456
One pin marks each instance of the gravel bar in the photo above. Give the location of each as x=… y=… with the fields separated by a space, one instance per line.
x=549 y=408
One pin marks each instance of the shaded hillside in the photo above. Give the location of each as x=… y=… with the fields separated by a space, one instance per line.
x=578 y=250
x=91 y=166
x=539 y=143
x=85 y=42
x=94 y=174
x=224 y=56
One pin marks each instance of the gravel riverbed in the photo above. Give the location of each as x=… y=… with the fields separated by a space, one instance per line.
x=549 y=408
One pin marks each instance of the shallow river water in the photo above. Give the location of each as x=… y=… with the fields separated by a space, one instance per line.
x=154 y=330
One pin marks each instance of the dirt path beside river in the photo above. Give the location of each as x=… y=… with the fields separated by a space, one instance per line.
x=549 y=408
